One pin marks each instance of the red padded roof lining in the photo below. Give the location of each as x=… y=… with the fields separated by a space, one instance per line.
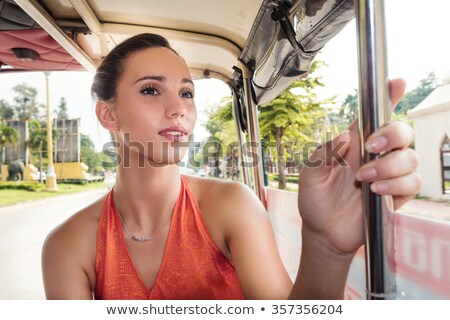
x=51 y=55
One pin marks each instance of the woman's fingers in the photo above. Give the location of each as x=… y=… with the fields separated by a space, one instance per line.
x=394 y=164
x=395 y=135
x=402 y=188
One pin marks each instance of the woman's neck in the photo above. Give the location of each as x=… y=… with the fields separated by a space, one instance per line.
x=146 y=194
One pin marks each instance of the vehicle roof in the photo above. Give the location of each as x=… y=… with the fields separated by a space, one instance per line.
x=274 y=42
x=208 y=34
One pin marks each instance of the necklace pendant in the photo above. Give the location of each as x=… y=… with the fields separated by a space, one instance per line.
x=140 y=239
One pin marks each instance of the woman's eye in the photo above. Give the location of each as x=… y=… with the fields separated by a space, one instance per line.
x=149 y=91
x=187 y=94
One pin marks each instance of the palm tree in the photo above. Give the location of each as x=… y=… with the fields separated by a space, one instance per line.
x=37 y=141
x=7 y=135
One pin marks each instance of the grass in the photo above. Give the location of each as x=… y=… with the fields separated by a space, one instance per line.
x=13 y=196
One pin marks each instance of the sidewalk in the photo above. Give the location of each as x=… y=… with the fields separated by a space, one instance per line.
x=428 y=208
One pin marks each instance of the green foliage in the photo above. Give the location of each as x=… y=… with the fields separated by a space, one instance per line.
x=26 y=106
x=7 y=135
x=38 y=141
x=222 y=130
x=416 y=96
x=38 y=136
x=287 y=122
x=6 y=111
x=347 y=112
x=223 y=140
x=297 y=111
x=349 y=109
x=292 y=119
x=219 y=115
x=89 y=156
x=28 y=186
x=61 y=113
x=86 y=141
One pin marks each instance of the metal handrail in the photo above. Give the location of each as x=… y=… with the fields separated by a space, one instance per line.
x=374 y=112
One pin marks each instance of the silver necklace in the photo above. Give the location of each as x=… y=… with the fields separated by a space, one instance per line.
x=142 y=239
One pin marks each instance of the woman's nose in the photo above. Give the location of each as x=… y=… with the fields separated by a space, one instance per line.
x=175 y=108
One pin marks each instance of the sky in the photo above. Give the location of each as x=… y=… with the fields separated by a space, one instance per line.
x=418 y=34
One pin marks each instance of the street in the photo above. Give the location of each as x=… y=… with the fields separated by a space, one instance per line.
x=23 y=228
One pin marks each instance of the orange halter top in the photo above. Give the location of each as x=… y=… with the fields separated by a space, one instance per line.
x=192 y=266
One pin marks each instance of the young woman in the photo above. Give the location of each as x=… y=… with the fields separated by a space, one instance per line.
x=161 y=235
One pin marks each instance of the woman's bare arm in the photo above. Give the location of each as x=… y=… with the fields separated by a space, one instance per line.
x=251 y=242
x=68 y=256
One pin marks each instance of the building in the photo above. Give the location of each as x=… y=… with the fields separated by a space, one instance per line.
x=432 y=127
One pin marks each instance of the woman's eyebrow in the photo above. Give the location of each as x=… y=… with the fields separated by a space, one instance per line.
x=162 y=79
x=157 y=78
x=187 y=80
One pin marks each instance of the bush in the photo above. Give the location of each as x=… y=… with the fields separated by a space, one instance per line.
x=289 y=178
x=28 y=186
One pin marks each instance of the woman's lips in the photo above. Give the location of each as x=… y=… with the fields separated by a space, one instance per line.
x=174 y=133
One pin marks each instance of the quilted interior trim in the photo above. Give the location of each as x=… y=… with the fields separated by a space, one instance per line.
x=51 y=55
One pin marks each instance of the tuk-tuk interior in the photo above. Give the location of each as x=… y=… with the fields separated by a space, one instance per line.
x=257 y=47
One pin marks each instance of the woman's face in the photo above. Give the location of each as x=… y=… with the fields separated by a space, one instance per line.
x=154 y=106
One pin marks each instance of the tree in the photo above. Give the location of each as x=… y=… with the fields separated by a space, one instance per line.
x=6 y=111
x=7 y=135
x=86 y=141
x=26 y=106
x=223 y=137
x=293 y=115
x=416 y=96
x=89 y=156
x=38 y=140
x=349 y=109
x=61 y=113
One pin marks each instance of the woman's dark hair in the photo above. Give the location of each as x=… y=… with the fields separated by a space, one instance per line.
x=111 y=69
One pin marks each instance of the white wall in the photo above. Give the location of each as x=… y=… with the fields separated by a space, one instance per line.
x=430 y=131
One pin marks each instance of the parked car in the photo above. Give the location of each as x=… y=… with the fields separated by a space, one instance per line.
x=38 y=175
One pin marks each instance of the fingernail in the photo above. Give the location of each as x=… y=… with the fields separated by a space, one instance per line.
x=379 y=187
x=366 y=174
x=376 y=144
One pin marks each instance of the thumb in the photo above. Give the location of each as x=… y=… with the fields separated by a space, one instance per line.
x=326 y=157
x=396 y=91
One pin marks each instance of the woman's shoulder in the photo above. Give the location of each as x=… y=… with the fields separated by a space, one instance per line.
x=225 y=200
x=76 y=234
x=84 y=220
x=68 y=255
x=229 y=208
x=219 y=192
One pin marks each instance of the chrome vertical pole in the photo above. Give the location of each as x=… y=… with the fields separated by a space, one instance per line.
x=242 y=142
x=374 y=112
x=253 y=132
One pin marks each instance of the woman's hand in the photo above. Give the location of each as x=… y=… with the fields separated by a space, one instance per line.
x=329 y=189
x=330 y=202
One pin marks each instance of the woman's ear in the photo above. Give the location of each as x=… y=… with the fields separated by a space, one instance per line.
x=105 y=116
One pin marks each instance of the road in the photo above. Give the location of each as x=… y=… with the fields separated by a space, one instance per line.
x=23 y=228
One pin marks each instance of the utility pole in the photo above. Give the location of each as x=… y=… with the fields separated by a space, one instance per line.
x=50 y=182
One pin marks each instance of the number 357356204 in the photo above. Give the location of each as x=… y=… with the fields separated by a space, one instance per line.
x=306 y=309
